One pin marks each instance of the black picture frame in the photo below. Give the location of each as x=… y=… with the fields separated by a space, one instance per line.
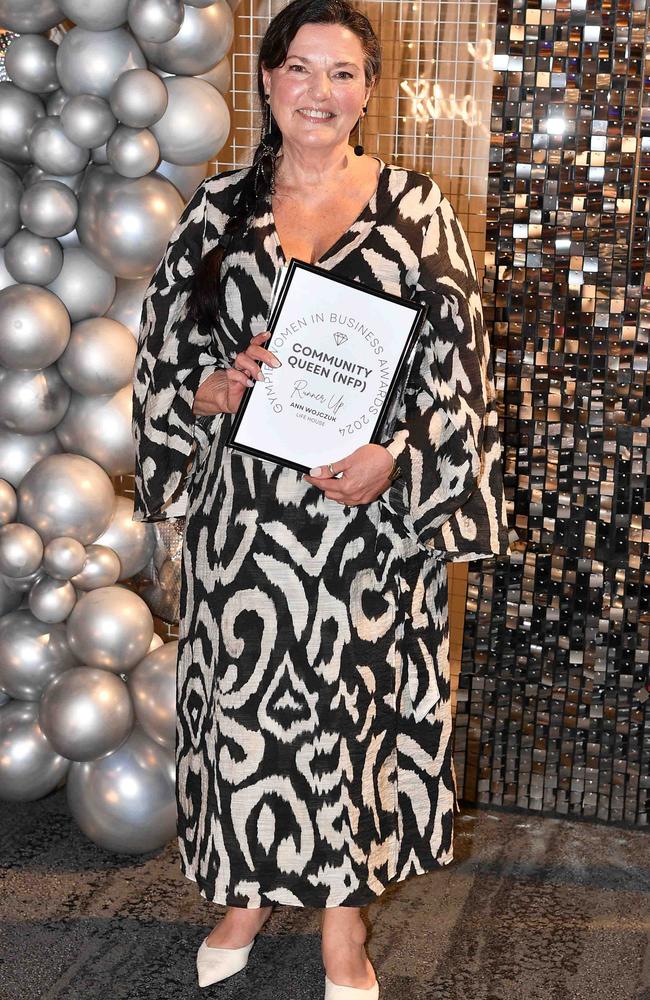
x=419 y=310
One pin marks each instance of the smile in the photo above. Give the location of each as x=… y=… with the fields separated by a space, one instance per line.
x=315 y=115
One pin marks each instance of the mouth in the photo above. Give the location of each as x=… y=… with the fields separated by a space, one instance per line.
x=315 y=115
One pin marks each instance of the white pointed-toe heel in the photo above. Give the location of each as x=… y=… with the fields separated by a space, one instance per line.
x=215 y=964
x=334 y=992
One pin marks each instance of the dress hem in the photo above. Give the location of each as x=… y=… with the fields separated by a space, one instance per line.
x=265 y=901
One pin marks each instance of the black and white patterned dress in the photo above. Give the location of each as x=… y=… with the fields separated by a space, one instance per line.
x=314 y=737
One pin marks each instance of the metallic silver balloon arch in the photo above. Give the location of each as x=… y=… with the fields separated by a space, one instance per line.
x=109 y=113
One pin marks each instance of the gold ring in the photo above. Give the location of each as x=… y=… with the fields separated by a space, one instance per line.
x=331 y=469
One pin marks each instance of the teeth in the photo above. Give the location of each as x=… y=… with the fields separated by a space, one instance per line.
x=316 y=114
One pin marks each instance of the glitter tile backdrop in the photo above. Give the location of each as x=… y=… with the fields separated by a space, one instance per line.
x=552 y=702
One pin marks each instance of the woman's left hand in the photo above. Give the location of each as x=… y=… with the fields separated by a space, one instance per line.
x=365 y=476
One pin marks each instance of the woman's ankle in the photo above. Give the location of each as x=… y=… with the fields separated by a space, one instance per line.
x=238 y=926
x=344 y=922
x=248 y=914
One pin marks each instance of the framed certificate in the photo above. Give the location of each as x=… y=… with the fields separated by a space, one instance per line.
x=342 y=348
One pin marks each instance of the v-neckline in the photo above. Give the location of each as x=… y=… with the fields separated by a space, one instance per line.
x=339 y=239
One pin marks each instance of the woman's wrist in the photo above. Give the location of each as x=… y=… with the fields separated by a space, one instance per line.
x=395 y=470
x=206 y=377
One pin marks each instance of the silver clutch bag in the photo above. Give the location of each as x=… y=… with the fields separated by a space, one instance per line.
x=159 y=582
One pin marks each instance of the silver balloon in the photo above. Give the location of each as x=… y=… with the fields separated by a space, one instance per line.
x=49 y=208
x=63 y=557
x=126 y=802
x=21 y=550
x=30 y=62
x=199 y=3
x=32 y=402
x=86 y=713
x=100 y=154
x=220 y=76
x=88 y=120
x=10 y=598
x=85 y=288
x=34 y=327
x=204 y=38
x=70 y=239
x=32 y=653
x=33 y=259
x=11 y=189
x=138 y=98
x=5 y=277
x=126 y=307
x=185 y=179
x=29 y=15
x=56 y=102
x=133 y=541
x=23 y=583
x=153 y=688
x=111 y=628
x=52 y=600
x=8 y=502
x=155 y=20
x=99 y=15
x=66 y=495
x=19 y=112
x=89 y=62
x=196 y=123
x=126 y=223
x=29 y=765
x=51 y=149
x=132 y=152
x=19 y=452
x=101 y=568
x=99 y=357
x=35 y=175
x=99 y=427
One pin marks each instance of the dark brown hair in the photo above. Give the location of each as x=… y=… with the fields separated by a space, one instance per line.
x=204 y=298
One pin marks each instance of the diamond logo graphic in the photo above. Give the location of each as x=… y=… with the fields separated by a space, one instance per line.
x=340 y=338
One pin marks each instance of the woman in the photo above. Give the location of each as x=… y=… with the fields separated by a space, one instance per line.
x=314 y=753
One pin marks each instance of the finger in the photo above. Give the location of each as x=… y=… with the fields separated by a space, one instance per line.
x=240 y=377
x=342 y=464
x=253 y=351
x=345 y=501
x=246 y=364
x=338 y=491
x=321 y=483
x=259 y=337
x=325 y=471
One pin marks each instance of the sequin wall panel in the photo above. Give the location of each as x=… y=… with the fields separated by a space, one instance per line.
x=552 y=705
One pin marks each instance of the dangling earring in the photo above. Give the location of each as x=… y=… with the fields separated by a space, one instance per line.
x=358 y=149
x=266 y=136
x=264 y=162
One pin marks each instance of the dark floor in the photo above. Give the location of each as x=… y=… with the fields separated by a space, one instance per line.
x=531 y=909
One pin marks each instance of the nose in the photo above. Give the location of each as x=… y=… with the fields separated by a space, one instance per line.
x=320 y=85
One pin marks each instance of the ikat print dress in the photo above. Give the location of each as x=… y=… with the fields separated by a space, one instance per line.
x=314 y=733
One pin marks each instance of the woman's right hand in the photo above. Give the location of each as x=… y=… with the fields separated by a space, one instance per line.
x=222 y=391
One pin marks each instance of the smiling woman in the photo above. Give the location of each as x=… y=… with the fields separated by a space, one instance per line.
x=317 y=96
x=314 y=735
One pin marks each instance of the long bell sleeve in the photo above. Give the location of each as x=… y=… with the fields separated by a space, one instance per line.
x=445 y=436
x=174 y=356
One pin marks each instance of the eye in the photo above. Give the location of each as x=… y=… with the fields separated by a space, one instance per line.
x=296 y=66
x=345 y=73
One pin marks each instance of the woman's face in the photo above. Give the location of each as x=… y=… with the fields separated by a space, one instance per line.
x=318 y=92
